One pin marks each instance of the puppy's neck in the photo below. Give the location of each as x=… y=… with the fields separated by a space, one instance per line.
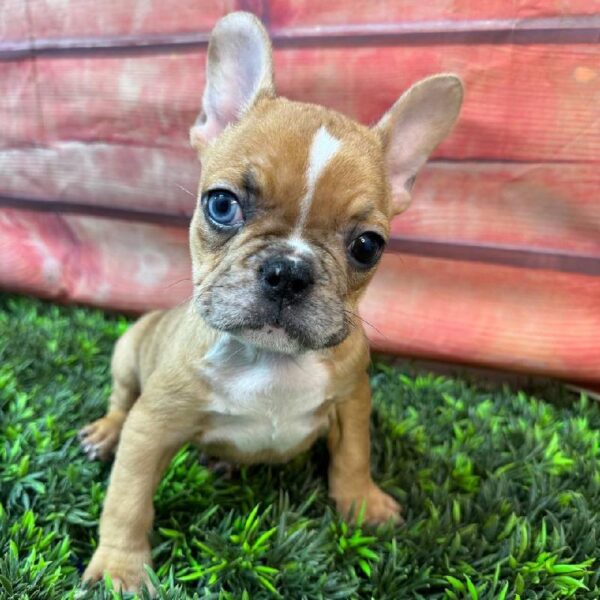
x=233 y=353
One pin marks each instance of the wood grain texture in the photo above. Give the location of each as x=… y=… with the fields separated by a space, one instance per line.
x=20 y=118
x=302 y=13
x=89 y=18
x=536 y=103
x=114 y=264
x=100 y=174
x=150 y=101
x=532 y=103
x=531 y=205
x=107 y=131
x=82 y=18
x=532 y=321
x=516 y=319
x=14 y=21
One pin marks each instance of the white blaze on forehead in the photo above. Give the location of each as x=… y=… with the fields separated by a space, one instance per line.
x=298 y=246
x=323 y=148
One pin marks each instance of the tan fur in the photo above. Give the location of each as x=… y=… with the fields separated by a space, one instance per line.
x=167 y=388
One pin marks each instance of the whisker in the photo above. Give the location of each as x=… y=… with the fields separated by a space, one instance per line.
x=367 y=323
x=185 y=300
x=297 y=363
x=186 y=190
x=348 y=320
x=233 y=354
x=177 y=283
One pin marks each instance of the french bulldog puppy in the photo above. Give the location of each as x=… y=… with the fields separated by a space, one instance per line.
x=293 y=213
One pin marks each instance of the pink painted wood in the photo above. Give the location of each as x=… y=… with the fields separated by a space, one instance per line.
x=97 y=98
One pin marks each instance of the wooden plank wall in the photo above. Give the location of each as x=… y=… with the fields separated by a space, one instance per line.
x=497 y=262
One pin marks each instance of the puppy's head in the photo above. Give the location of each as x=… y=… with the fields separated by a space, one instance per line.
x=295 y=200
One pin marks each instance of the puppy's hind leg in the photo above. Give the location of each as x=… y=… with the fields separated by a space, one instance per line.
x=99 y=439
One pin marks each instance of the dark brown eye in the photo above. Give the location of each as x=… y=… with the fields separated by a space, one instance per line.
x=366 y=249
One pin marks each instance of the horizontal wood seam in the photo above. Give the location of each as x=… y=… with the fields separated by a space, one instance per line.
x=577 y=29
x=515 y=256
x=184 y=149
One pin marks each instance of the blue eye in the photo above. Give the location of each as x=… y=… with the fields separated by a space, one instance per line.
x=223 y=209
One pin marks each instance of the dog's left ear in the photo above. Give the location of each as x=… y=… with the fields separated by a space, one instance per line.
x=239 y=69
x=420 y=119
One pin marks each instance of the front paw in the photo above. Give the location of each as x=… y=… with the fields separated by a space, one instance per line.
x=99 y=439
x=126 y=568
x=379 y=506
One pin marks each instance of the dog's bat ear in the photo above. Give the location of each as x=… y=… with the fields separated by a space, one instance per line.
x=419 y=120
x=239 y=70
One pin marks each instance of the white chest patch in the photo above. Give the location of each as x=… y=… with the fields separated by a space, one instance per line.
x=262 y=401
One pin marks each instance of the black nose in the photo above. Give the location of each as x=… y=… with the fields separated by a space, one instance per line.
x=287 y=279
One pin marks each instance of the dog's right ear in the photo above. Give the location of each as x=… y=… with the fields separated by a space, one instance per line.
x=239 y=70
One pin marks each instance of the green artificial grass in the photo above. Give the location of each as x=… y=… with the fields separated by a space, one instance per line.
x=501 y=489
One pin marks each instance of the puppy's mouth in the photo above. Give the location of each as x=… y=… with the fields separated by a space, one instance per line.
x=283 y=330
x=286 y=335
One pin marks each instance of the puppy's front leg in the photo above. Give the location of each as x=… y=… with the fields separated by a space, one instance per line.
x=148 y=442
x=350 y=482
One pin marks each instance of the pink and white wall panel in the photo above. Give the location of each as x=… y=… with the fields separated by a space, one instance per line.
x=497 y=262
